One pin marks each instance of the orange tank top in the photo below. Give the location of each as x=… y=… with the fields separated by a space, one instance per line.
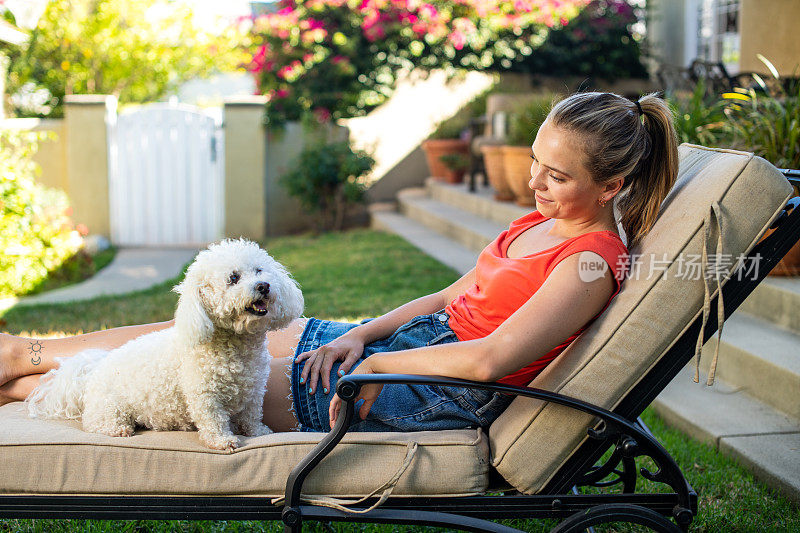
x=503 y=285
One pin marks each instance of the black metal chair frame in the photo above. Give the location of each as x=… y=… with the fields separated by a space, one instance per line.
x=620 y=429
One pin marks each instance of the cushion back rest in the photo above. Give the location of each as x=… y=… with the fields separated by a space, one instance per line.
x=532 y=439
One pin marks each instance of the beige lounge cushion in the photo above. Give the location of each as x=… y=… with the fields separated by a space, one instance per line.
x=57 y=457
x=531 y=440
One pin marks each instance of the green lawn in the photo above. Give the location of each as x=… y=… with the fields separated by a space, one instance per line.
x=364 y=273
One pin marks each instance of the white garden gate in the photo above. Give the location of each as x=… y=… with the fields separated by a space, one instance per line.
x=166 y=177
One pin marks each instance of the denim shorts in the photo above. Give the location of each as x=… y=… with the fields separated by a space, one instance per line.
x=399 y=407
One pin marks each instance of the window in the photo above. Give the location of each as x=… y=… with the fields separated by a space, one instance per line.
x=718 y=32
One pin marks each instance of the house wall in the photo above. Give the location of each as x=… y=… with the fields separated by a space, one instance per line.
x=769 y=28
x=666 y=30
x=51 y=155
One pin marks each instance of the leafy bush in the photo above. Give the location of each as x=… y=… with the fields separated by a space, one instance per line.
x=598 y=42
x=451 y=128
x=697 y=120
x=768 y=125
x=524 y=122
x=36 y=235
x=329 y=59
x=138 y=51
x=455 y=161
x=327 y=179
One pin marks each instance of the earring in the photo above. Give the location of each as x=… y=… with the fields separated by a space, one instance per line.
x=601 y=202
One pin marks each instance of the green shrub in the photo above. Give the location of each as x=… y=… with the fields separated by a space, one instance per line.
x=327 y=179
x=455 y=161
x=524 y=122
x=36 y=235
x=598 y=43
x=452 y=127
x=697 y=120
x=767 y=124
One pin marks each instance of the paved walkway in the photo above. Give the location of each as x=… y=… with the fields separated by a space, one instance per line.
x=133 y=269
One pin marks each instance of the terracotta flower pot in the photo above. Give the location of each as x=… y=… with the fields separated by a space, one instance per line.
x=436 y=148
x=790 y=264
x=517 y=165
x=453 y=176
x=495 y=171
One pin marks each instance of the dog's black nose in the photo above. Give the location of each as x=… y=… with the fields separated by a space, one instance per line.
x=262 y=288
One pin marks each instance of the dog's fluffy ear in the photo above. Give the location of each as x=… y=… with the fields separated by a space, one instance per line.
x=191 y=319
x=289 y=302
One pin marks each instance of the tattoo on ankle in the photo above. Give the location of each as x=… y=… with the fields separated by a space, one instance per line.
x=36 y=350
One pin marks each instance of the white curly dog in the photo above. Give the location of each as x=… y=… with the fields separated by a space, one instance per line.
x=207 y=372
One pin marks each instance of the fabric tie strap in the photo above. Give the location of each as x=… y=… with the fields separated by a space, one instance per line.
x=715 y=211
x=387 y=488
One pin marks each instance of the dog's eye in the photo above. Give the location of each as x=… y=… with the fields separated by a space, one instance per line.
x=233 y=279
x=258 y=271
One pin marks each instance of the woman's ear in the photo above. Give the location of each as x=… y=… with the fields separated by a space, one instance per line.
x=191 y=319
x=613 y=186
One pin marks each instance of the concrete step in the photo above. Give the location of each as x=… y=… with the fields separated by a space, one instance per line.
x=480 y=203
x=462 y=226
x=761 y=359
x=764 y=440
x=445 y=250
x=777 y=300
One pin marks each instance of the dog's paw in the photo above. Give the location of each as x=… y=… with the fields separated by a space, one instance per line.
x=220 y=442
x=257 y=431
x=113 y=431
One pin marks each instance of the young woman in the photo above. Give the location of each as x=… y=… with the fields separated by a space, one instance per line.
x=532 y=291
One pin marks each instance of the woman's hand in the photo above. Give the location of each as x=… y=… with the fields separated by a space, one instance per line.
x=347 y=348
x=369 y=393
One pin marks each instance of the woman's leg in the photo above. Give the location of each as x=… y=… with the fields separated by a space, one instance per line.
x=22 y=356
x=278 y=410
x=18 y=389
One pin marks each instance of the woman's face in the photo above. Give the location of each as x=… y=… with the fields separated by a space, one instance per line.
x=563 y=186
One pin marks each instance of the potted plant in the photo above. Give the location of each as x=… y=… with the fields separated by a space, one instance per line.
x=445 y=140
x=769 y=125
x=327 y=180
x=523 y=125
x=456 y=165
x=495 y=170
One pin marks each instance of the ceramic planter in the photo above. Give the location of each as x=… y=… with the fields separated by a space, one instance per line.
x=495 y=171
x=435 y=148
x=790 y=264
x=517 y=166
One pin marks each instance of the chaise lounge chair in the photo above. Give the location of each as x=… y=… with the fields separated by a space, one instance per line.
x=536 y=456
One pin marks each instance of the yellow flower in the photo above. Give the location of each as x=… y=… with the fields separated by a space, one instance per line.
x=65 y=65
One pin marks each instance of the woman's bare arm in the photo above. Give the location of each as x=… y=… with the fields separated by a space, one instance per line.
x=349 y=347
x=561 y=306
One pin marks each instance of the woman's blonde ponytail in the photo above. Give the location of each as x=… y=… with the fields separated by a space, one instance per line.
x=655 y=174
x=621 y=140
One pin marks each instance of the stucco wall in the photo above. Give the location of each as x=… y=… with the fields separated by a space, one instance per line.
x=51 y=155
x=769 y=28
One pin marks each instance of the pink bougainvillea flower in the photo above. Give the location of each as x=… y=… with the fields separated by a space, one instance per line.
x=429 y=11
x=322 y=114
x=458 y=39
x=285 y=72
